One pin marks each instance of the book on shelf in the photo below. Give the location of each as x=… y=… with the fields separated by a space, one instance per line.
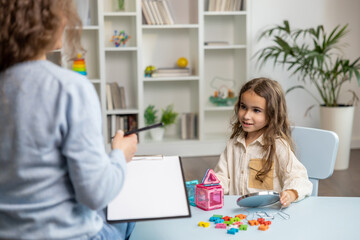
x=156 y=12
x=216 y=43
x=163 y=13
x=225 y=5
x=189 y=126
x=171 y=72
x=146 y=12
x=115 y=96
x=120 y=122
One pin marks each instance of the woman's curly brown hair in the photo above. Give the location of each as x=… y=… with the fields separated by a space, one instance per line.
x=278 y=125
x=29 y=28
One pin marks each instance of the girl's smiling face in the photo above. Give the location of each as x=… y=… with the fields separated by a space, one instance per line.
x=252 y=114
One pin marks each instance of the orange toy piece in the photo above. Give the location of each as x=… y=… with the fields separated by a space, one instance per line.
x=226 y=218
x=263 y=227
x=253 y=222
x=261 y=220
x=241 y=216
x=268 y=223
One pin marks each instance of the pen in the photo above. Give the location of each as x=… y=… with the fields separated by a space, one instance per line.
x=143 y=129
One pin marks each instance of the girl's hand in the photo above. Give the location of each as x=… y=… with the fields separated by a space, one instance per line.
x=287 y=197
x=126 y=144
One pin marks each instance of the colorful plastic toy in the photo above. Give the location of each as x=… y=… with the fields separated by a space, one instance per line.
x=204 y=224
x=243 y=227
x=182 y=62
x=253 y=222
x=209 y=195
x=149 y=70
x=220 y=225
x=232 y=231
x=263 y=227
x=190 y=187
x=79 y=65
x=241 y=216
x=120 y=39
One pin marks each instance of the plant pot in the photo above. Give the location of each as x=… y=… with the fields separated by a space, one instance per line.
x=339 y=120
x=157 y=134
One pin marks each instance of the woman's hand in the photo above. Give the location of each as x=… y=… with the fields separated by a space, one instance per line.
x=126 y=144
x=287 y=197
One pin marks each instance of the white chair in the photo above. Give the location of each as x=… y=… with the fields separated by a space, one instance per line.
x=316 y=149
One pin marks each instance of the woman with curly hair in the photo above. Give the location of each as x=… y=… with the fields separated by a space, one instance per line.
x=55 y=176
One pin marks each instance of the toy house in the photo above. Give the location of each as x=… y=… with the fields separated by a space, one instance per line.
x=209 y=195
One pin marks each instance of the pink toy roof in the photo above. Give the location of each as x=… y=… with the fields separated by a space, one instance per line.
x=210 y=178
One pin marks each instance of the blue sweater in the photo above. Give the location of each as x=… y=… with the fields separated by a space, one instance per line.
x=54 y=171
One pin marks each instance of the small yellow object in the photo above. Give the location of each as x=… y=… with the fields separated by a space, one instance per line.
x=204 y=224
x=182 y=62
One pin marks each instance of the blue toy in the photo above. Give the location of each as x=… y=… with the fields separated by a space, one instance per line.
x=190 y=187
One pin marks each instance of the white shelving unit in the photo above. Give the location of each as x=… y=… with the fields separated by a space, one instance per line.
x=161 y=46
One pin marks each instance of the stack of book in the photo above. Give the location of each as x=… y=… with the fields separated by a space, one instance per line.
x=225 y=5
x=115 y=96
x=171 y=72
x=120 y=122
x=156 y=12
x=189 y=126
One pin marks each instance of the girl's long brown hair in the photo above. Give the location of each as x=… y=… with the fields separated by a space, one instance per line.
x=29 y=28
x=276 y=114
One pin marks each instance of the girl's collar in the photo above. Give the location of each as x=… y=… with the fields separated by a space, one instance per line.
x=241 y=139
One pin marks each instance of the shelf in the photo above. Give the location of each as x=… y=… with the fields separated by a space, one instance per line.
x=97 y=81
x=122 y=111
x=219 y=108
x=225 y=13
x=161 y=46
x=88 y=28
x=120 y=49
x=170 y=79
x=219 y=47
x=175 y=26
x=119 y=14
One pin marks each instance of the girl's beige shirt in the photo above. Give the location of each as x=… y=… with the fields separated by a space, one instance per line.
x=239 y=164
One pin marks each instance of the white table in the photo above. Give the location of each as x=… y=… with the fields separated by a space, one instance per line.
x=313 y=218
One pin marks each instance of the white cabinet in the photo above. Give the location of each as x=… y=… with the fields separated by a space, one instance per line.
x=161 y=46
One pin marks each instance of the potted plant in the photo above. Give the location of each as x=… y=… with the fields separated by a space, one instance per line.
x=150 y=115
x=315 y=57
x=168 y=117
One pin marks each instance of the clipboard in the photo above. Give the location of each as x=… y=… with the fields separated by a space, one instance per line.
x=154 y=188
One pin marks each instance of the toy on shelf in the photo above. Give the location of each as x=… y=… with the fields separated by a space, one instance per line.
x=182 y=62
x=149 y=70
x=223 y=95
x=209 y=195
x=79 y=65
x=190 y=187
x=120 y=39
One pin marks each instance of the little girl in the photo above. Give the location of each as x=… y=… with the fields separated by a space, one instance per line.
x=260 y=155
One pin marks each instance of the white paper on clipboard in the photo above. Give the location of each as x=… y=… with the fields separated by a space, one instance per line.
x=154 y=189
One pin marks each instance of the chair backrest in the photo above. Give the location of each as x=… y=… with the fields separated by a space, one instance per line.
x=316 y=149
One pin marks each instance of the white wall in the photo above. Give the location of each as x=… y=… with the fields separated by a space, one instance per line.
x=307 y=13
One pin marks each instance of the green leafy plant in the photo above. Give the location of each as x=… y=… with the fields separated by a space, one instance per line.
x=168 y=116
x=150 y=115
x=314 y=56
